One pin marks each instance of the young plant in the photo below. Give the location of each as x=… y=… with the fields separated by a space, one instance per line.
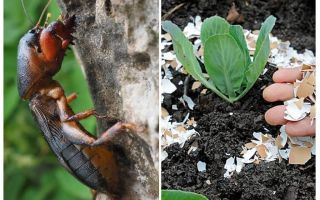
x=226 y=56
x=181 y=195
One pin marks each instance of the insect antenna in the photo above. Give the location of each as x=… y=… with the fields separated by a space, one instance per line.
x=25 y=12
x=43 y=11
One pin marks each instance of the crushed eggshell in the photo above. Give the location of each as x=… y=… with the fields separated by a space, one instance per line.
x=174 y=107
x=311 y=79
x=283 y=54
x=164 y=112
x=192 y=122
x=301 y=141
x=248 y=155
x=299 y=103
x=164 y=155
x=174 y=64
x=196 y=85
x=189 y=101
x=167 y=36
x=163 y=45
x=257 y=162
x=262 y=151
x=293 y=113
x=283 y=135
x=230 y=167
x=168 y=74
x=313 y=112
x=305 y=89
x=167 y=86
x=284 y=153
x=250 y=145
x=191 y=30
x=180 y=128
x=306 y=67
x=279 y=141
x=273 y=45
x=299 y=155
x=313 y=149
x=204 y=91
x=239 y=165
x=168 y=56
x=201 y=166
x=194 y=147
x=265 y=137
x=172 y=132
x=200 y=52
x=233 y=15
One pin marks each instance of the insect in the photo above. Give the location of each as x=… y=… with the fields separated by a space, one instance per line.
x=94 y=161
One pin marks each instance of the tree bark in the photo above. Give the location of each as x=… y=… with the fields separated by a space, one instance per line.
x=117 y=45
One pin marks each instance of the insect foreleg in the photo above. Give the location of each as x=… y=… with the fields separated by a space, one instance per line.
x=78 y=136
x=113 y=131
x=80 y=116
x=71 y=97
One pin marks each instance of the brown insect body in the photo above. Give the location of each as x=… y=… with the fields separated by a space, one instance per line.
x=95 y=166
x=94 y=161
x=40 y=55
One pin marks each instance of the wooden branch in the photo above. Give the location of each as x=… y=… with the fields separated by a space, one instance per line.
x=117 y=45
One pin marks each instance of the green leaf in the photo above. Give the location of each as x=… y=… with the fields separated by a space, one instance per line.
x=54 y=10
x=60 y=195
x=30 y=193
x=225 y=63
x=262 y=52
x=183 y=49
x=261 y=55
x=213 y=26
x=236 y=32
x=226 y=56
x=14 y=186
x=47 y=186
x=184 y=52
x=11 y=100
x=180 y=195
x=71 y=185
x=265 y=29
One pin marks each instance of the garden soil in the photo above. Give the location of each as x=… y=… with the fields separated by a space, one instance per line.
x=295 y=18
x=224 y=128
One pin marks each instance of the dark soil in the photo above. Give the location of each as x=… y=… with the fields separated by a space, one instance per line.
x=295 y=18
x=222 y=133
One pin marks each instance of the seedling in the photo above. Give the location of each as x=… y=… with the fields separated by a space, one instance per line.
x=181 y=195
x=226 y=56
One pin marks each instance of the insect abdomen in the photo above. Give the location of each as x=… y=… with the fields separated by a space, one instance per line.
x=82 y=167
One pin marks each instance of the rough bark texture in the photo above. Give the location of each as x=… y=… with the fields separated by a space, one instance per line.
x=117 y=44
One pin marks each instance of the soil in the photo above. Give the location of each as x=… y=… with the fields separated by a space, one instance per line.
x=221 y=132
x=295 y=18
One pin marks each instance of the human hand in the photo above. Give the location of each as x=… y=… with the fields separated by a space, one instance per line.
x=282 y=90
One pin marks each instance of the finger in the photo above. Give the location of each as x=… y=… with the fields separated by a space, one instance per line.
x=275 y=115
x=301 y=128
x=278 y=92
x=287 y=75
